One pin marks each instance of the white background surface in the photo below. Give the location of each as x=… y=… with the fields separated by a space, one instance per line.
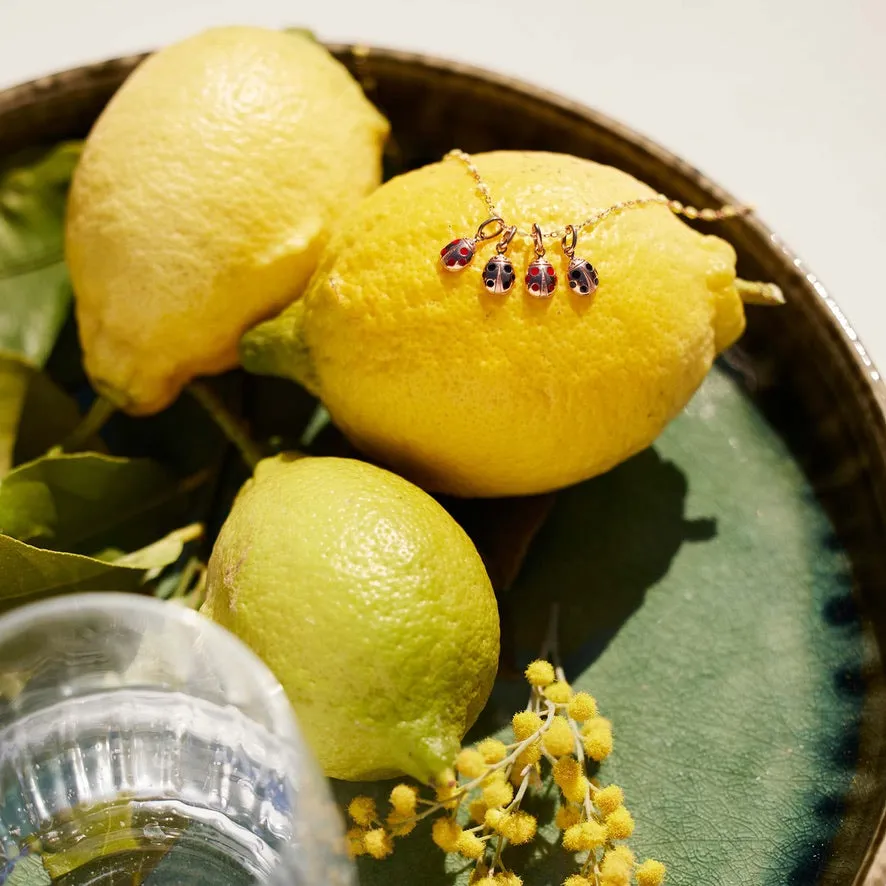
x=783 y=102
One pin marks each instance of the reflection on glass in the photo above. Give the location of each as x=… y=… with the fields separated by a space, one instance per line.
x=142 y=744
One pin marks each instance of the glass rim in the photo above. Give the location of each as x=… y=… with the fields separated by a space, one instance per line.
x=105 y=603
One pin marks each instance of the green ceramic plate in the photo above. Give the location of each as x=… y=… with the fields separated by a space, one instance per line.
x=720 y=593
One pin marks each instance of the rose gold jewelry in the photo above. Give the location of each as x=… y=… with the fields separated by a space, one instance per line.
x=540 y=277
x=458 y=254
x=582 y=275
x=499 y=275
x=541 y=281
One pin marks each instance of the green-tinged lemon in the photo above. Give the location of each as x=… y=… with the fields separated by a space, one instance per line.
x=368 y=602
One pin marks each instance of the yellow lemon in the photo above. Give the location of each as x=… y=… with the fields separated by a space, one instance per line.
x=478 y=394
x=371 y=606
x=203 y=197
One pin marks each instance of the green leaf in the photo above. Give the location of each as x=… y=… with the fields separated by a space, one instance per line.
x=15 y=380
x=33 y=192
x=695 y=584
x=84 y=502
x=34 y=414
x=162 y=552
x=34 y=308
x=35 y=293
x=31 y=573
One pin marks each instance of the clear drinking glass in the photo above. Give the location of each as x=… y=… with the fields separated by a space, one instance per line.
x=142 y=744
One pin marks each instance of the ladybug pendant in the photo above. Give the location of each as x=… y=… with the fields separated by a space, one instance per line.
x=498 y=275
x=458 y=254
x=582 y=276
x=541 y=281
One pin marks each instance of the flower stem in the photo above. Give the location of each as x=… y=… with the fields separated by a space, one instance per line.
x=579 y=747
x=230 y=425
x=587 y=804
x=506 y=764
x=496 y=861
x=549 y=644
x=515 y=803
x=91 y=423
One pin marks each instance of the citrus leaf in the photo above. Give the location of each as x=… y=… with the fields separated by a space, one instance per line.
x=15 y=379
x=33 y=192
x=162 y=552
x=34 y=308
x=32 y=573
x=84 y=502
x=34 y=414
x=35 y=293
x=109 y=555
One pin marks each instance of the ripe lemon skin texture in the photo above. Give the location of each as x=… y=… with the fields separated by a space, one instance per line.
x=476 y=394
x=371 y=606
x=204 y=195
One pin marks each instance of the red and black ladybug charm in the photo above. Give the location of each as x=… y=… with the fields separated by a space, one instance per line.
x=541 y=281
x=458 y=254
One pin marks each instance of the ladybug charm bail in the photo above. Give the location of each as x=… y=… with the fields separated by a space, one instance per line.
x=541 y=281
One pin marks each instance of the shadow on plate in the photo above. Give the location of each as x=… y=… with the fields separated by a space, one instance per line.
x=606 y=543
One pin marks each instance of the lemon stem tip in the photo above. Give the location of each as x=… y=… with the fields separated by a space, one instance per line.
x=755 y=293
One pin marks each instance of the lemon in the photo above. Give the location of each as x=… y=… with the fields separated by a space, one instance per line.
x=203 y=197
x=477 y=394
x=368 y=602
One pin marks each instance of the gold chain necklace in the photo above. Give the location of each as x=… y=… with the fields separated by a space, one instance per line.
x=499 y=274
